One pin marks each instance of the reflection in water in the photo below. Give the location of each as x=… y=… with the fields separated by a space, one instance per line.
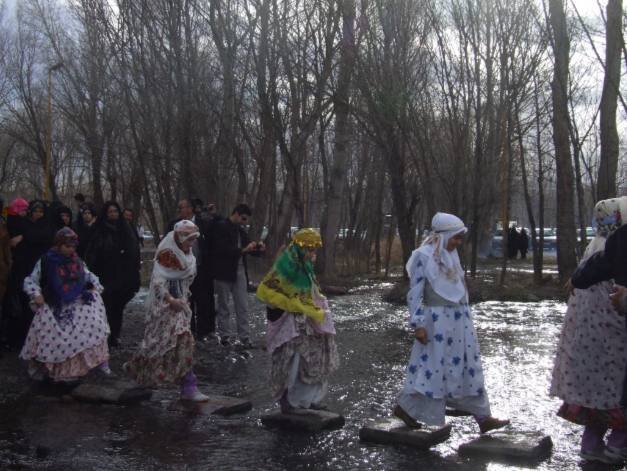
x=517 y=340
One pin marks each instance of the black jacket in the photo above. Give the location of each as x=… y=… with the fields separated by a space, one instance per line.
x=606 y=265
x=113 y=255
x=224 y=251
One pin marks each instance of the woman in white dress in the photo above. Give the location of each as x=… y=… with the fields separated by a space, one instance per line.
x=68 y=335
x=445 y=364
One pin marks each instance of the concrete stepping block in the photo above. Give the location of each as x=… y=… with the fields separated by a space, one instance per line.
x=392 y=431
x=510 y=445
x=308 y=420
x=114 y=391
x=219 y=405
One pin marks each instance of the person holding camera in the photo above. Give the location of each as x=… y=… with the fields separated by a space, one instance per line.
x=229 y=247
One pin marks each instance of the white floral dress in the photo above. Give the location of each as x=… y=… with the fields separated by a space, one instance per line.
x=447 y=370
x=70 y=345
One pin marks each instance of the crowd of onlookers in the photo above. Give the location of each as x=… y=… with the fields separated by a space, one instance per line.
x=109 y=242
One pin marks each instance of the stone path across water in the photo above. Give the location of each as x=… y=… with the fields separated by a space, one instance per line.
x=518 y=342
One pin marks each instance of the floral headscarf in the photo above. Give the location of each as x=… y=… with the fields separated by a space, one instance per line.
x=607 y=216
x=291 y=284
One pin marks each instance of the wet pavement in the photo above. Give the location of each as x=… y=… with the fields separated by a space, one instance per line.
x=518 y=341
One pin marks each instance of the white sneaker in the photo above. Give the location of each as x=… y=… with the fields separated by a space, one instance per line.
x=195 y=396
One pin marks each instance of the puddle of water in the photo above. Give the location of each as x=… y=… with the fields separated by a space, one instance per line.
x=518 y=341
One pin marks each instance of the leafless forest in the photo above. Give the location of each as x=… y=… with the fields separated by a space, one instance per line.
x=361 y=117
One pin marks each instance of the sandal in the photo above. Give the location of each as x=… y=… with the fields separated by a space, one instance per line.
x=492 y=423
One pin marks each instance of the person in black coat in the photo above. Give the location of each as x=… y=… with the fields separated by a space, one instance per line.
x=202 y=302
x=228 y=246
x=113 y=255
x=523 y=243
x=85 y=228
x=512 y=242
x=31 y=237
x=62 y=217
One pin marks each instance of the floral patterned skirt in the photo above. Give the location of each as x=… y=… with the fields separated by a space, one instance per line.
x=169 y=367
x=74 y=367
x=581 y=415
x=318 y=359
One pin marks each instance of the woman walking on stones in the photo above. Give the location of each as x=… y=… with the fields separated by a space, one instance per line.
x=300 y=334
x=591 y=357
x=445 y=366
x=167 y=350
x=113 y=255
x=68 y=335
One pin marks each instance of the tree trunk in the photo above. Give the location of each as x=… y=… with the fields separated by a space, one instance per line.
x=566 y=237
x=343 y=133
x=608 y=165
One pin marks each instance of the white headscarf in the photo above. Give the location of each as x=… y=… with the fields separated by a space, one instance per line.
x=607 y=216
x=443 y=269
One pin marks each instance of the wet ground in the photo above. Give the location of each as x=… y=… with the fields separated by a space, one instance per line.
x=518 y=343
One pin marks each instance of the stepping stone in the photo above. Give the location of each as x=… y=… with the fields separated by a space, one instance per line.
x=308 y=420
x=114 y=391
x=510 y=445
x=219 y=405
x=392 y=431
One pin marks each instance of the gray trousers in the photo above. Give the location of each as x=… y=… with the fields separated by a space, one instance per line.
x=238 y=291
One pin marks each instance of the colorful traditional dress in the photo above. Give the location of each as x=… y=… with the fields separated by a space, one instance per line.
x=591 y=358
x=447 y=369
x=167 y=350
x=68 y=334
x=300 y=334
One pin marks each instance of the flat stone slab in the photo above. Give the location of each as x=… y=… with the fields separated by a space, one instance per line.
x=219 y=405
x=392 y=431
x=510 y=445
x=304 y=419
x=114 y=391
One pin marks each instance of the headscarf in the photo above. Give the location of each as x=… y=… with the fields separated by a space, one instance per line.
x=17 y=205
x=65 y=236
x=186 y=230
x=60 y=211
x=291 y=284
x=36 y=204
x=171 y=263
x=607 y=216
x=64 y=276
x=443 y=269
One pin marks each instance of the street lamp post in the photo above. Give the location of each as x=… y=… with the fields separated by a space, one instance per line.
x=48 y=162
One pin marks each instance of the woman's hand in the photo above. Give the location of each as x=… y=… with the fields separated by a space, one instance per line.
x=177 y=305
x=38 y=300
x=570 y=289
x=617 y=296
x=16 y=240
x=421 y=335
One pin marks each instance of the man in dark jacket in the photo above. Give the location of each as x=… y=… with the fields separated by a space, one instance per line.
x=202 y=303
x=228 y=249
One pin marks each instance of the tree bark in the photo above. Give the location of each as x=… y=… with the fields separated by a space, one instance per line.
x=566 y=237
x=608 y=165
